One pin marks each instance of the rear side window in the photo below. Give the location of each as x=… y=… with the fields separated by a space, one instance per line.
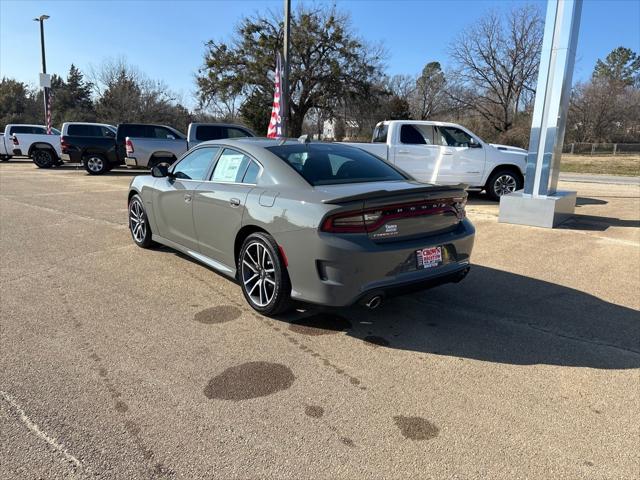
x=329 y=164
x=27 y=129
x=416 y=135
x=196 y=164
x=251 y=175
x=380 y=133
x=230 y=167
x=209 y=132
x=217 y=132
x=89 y=131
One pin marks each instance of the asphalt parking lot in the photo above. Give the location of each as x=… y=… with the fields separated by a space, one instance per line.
x=118 y=362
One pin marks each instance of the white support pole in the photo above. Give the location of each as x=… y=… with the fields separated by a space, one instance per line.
x=541 y=204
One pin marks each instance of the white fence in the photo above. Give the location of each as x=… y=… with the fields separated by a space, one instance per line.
x=602 y=148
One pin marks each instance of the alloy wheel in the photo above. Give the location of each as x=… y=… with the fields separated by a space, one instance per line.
x=137 y=221
x=258 y=274
x=504 y=184
x=95 y=164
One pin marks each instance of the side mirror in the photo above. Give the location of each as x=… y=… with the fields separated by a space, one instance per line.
x=473 y=143
x=161 y=170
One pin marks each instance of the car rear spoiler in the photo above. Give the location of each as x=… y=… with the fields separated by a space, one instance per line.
x=386 y=193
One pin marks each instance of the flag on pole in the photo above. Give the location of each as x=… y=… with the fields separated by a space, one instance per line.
x=48 y=92
x=275 y=124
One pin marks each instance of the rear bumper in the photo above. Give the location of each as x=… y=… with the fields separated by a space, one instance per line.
x=17 y=152
x=340 y=270
x=131 y=161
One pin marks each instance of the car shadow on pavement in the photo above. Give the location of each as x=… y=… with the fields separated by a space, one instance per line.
x=497 y=316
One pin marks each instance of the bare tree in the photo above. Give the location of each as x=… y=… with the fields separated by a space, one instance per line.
x=497 y=64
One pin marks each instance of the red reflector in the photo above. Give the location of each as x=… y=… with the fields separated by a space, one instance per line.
x=129 y=146
x=284 y=256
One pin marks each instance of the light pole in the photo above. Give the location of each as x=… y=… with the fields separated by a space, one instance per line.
x=47 y=104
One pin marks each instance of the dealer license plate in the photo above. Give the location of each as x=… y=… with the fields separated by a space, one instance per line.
x=429 y=257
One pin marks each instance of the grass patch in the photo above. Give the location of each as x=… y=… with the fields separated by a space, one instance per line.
x=627 y=165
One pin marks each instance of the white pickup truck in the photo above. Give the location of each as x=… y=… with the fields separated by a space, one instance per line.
x=447 y=153
x=31 y=141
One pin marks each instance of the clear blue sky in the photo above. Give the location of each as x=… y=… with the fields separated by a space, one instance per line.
x=165 y=38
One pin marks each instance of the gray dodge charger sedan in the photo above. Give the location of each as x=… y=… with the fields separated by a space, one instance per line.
x=319 y=223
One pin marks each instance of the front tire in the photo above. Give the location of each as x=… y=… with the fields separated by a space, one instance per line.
x=263 y=277
x=503 y=182
x=44 y=158
x=139 y=223
x=95 y=164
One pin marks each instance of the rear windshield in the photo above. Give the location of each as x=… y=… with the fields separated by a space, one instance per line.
x=331 y=163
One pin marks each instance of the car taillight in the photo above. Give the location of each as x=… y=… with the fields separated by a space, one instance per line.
x=15 y=141
x=351 y=222
x=370 y=220
x=129 y=146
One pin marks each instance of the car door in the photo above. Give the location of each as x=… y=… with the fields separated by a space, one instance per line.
x=219 y=204
x=463 y=158
x=173 y=205
x=415 y=151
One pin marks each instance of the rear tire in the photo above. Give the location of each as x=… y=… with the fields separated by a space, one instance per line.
x=95 y=164
x=502 y=182
x=139 y=223
x=44 y=158
x=263 y=277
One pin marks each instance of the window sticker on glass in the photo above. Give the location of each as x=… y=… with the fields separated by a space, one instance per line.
x=229 y=165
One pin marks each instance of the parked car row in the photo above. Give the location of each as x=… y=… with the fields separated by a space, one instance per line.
x=101 y=147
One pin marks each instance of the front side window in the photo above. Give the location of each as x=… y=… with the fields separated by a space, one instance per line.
x=162 y=133
x=230 y=167
x=195 y=165
x=453 y=137
x=233 y=132
x=329 y=164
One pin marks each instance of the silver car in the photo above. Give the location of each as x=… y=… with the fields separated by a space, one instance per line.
x=319 y=223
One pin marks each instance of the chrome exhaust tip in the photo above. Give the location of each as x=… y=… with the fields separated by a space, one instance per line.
x=374 y=302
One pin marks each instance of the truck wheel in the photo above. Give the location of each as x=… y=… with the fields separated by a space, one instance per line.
x=95 y=164
x=43 y=158
x=503 y=182
x=4 y=158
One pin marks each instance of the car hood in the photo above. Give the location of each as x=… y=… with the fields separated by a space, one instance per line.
x=508 y=148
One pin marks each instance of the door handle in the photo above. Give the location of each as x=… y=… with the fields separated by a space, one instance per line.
x=403 y=151
x=234 y=202
x=187 y=197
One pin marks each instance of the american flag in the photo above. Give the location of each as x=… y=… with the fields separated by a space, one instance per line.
x=48 y=95
x=275 y=124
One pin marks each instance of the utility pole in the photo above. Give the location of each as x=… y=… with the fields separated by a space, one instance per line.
x=285 y=73
x=43 y=80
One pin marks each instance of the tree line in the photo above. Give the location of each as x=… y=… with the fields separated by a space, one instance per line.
x=337 y=77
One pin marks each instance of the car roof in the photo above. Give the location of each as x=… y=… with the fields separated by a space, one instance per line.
x=421 y=122
x=88 y=123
